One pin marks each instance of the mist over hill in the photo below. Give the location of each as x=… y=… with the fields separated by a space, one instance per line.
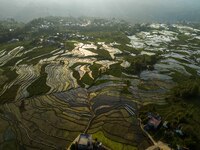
x=131 y=10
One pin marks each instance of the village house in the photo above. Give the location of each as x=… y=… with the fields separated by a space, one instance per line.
x=154 y=121
x=85 y=142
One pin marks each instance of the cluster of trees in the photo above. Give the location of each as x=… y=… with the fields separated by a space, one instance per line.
x=9 y=29
x=140 y=63
x=187 y=89
x=99 y=28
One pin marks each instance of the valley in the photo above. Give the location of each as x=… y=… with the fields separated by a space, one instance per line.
x=60 y=77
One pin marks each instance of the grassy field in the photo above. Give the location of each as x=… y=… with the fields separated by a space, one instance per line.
x=107 y=142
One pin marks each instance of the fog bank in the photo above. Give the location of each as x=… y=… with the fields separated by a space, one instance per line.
x=131 y=10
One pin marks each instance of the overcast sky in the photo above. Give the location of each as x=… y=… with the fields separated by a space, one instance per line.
x=132 y=10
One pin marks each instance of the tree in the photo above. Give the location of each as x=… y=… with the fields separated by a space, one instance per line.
x=187 y=89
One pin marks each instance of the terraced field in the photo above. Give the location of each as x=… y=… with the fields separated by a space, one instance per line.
x=62 y=84
x=45 y=121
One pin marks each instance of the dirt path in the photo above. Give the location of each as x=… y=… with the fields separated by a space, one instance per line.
x=156 y=145
x=146 y=133
x=89 y=123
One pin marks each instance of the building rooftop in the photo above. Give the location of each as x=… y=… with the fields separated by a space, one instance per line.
x=85 y=142
x=154 y=120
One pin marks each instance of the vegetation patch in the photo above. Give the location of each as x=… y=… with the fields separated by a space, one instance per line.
x=140 y=62
x=39 y=86
x=187 y=89
x=9 y=95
